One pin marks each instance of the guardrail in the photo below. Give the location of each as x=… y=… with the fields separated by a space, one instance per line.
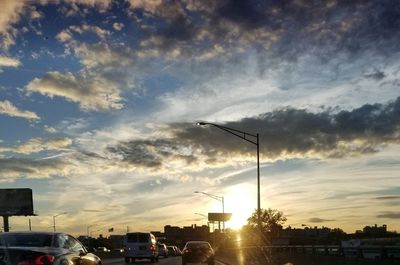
x=363 y=251
x=312 y=254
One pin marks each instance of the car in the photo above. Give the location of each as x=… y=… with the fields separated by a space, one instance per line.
x=178 y=252
x=198 y=251
x=43 y=248
x=163 y=250
x=171 y=250
x=102 y=249
x=140 y=245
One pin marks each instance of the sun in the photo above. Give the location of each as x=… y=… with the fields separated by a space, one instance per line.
x=241 y=202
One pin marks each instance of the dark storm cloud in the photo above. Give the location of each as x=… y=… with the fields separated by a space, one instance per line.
x=293 y=132
x=287 y=29
x=389 y=215
x=319 y=220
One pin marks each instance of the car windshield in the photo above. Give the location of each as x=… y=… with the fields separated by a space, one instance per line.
x=26 y=240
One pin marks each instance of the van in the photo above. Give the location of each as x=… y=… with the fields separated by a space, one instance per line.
x=140 y=246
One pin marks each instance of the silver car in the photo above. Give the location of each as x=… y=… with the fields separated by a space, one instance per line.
x=163 y=250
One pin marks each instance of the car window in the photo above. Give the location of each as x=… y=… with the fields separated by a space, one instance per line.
x=26 y=240
x=140 y=238
x=75 y=245
x=62 y=241
x=143 y=238
x=131 y=238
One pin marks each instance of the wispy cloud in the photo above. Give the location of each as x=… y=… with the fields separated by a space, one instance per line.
x=319 y=220
x=7 y=108
x=91 y=92
x=389 y=215
x=9 y=62
x=38 y=145
x=13 y=168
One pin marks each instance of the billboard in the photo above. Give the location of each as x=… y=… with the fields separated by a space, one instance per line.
x=16 y=202
x=219 y=217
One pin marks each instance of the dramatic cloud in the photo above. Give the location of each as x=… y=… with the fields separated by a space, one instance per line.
x=7 y=108
x=283 y=134
x=288 y=29
x=9 y=62
x=37 y=145
x=91 y=92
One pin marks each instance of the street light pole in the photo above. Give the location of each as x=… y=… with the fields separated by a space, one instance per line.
x=256 y=141
x=54 y=220
x=215 y=197
x=218 y=198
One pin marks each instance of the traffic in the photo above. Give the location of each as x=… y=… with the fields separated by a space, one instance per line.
x=54 y=248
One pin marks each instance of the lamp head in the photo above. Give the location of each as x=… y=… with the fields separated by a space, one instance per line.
x=200 y=123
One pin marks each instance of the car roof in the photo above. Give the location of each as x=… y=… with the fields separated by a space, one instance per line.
x=31 y=233
x=200 y=242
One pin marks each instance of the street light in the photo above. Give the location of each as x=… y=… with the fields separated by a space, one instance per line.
x=218 y=198
x=89 y=234
x=54 y=220
x=256 y=141
x=215 y=197
x=87 y=229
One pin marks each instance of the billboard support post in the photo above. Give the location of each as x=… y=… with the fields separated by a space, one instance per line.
x=5 y=223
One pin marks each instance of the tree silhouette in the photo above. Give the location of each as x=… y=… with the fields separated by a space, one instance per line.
x=271 y=221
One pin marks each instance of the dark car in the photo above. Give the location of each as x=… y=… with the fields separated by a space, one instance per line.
x=198 y=251
x=43 y=248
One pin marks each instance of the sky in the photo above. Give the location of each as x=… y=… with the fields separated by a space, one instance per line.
x=99 y=102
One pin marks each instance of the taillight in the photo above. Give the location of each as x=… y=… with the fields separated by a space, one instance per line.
x=153 y=248
x=44 y=260
x=39 y=260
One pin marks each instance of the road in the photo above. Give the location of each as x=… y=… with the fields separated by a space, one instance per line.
x=162 y=261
